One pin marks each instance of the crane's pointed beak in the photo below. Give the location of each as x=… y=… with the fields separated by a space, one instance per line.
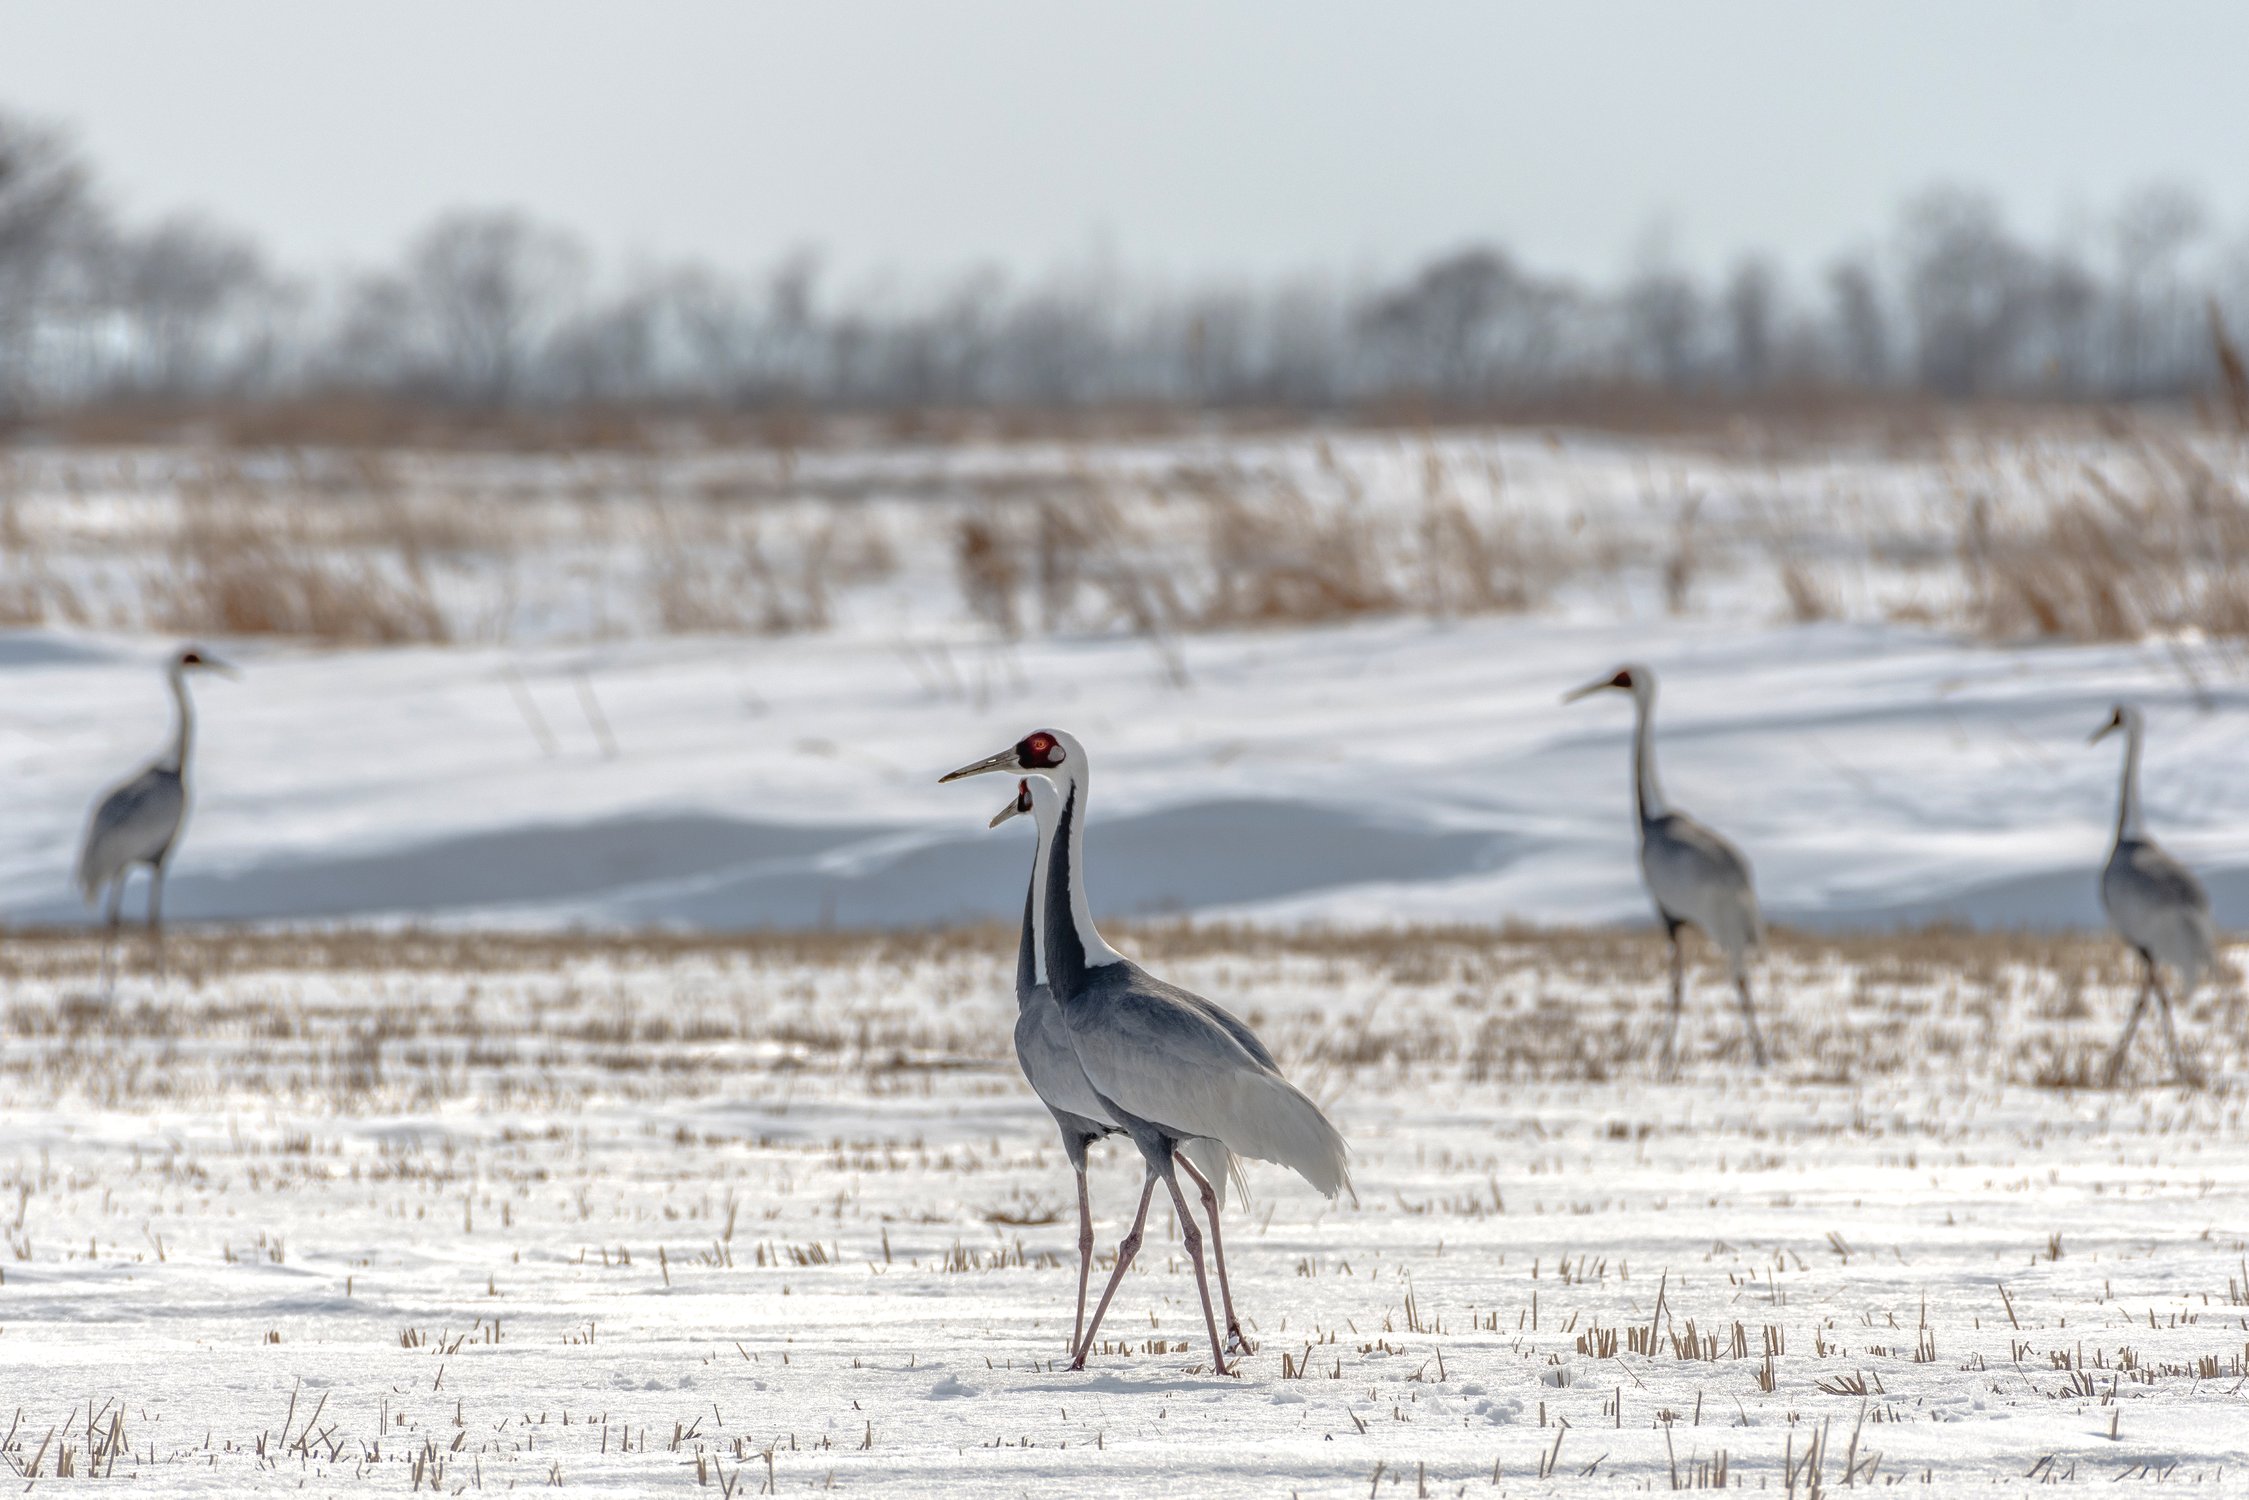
x=1586 y=691
x=1003 y=815
x=1004 y=761
x=223 y=668
x=2102 y=733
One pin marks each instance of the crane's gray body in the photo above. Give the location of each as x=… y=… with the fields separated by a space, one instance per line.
x=1166 y=1064
x=2156 y=905
x=134 y=824
x=1042 y=1049
x=1696 y=878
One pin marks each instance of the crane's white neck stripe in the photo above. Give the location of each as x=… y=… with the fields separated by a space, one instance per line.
x=1645 y=787
x=1070 y=941
x=2128 y=821
x=1045 y=808
x=184 y=728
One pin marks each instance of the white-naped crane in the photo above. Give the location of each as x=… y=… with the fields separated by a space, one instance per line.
x=1695 y=877
x=2155 y=904
x=1168 y=1066
x=1050 y=1066
x=139 y=822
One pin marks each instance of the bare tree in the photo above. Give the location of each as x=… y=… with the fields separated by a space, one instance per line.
x=490 y=308
x=1663 y=313
x=1862 y=338
x=491 y=287
x=50 y=233
x=2155 y=324
x=1753 y=298
x=1971 y=290
x=177 y=285
x=612 y=351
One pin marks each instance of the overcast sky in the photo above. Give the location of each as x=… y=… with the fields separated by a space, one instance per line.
x=1186 y=138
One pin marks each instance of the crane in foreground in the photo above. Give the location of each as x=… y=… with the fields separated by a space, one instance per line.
x=1050 y=1066
x=2154 y=903
x=1168 y=1065
x=139 y=822
x=1695 y=877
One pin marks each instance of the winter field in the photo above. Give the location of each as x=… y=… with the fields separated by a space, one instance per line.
x=1322 y=675
x=585 y=1061
x=360 y=1213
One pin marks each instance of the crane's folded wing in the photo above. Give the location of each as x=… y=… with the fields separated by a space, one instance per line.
x=1167 y=1061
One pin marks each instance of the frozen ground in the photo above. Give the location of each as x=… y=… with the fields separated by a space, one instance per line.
x=441 y=1198
x=359 y=1214
x=1367 y=774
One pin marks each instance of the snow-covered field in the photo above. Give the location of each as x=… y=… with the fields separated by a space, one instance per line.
x=1400 y=770
x=560 y=753
x=361 y=1213
x=396 y=1181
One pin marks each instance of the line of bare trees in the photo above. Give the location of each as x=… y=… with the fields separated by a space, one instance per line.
x=490 y=309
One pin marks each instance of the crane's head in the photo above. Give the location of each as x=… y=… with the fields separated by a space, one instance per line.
x=2123 y=716
x=1016 y=808
x=1042 y=752
x=1629 y=678
x=193 y=659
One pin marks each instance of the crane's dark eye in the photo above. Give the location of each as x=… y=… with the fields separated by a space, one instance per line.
x=191 y=659
x=1041 y=749
x=1622 y=680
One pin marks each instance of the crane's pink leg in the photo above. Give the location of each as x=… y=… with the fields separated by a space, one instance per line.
x=1236 y=1340
x=1127 y=1248
x=2131 y=1024
x=1678 y=1003
x=1194 y=1239
x=1749 y=1017
x=1085 y=1257
x=110 y=933
x=2179 y=1069
x=156 y=913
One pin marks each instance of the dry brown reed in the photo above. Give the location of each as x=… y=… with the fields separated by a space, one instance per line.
x=2146 y=536
x=714 y=573
x=237 y=566
x=1225 y=547
x=2160 y=547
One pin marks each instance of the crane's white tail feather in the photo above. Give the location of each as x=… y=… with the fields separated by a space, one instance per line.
x=1219 y=1165
x=1275 y=1121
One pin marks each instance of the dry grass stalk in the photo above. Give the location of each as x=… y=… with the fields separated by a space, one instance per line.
x=2107 y=563
x=2231 y=369
x=988 y=569
x=711 y=573
x=237 y=567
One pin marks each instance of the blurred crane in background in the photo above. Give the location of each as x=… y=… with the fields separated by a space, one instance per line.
x=2155 y=904
x=1696 y=878
x=139 y=822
